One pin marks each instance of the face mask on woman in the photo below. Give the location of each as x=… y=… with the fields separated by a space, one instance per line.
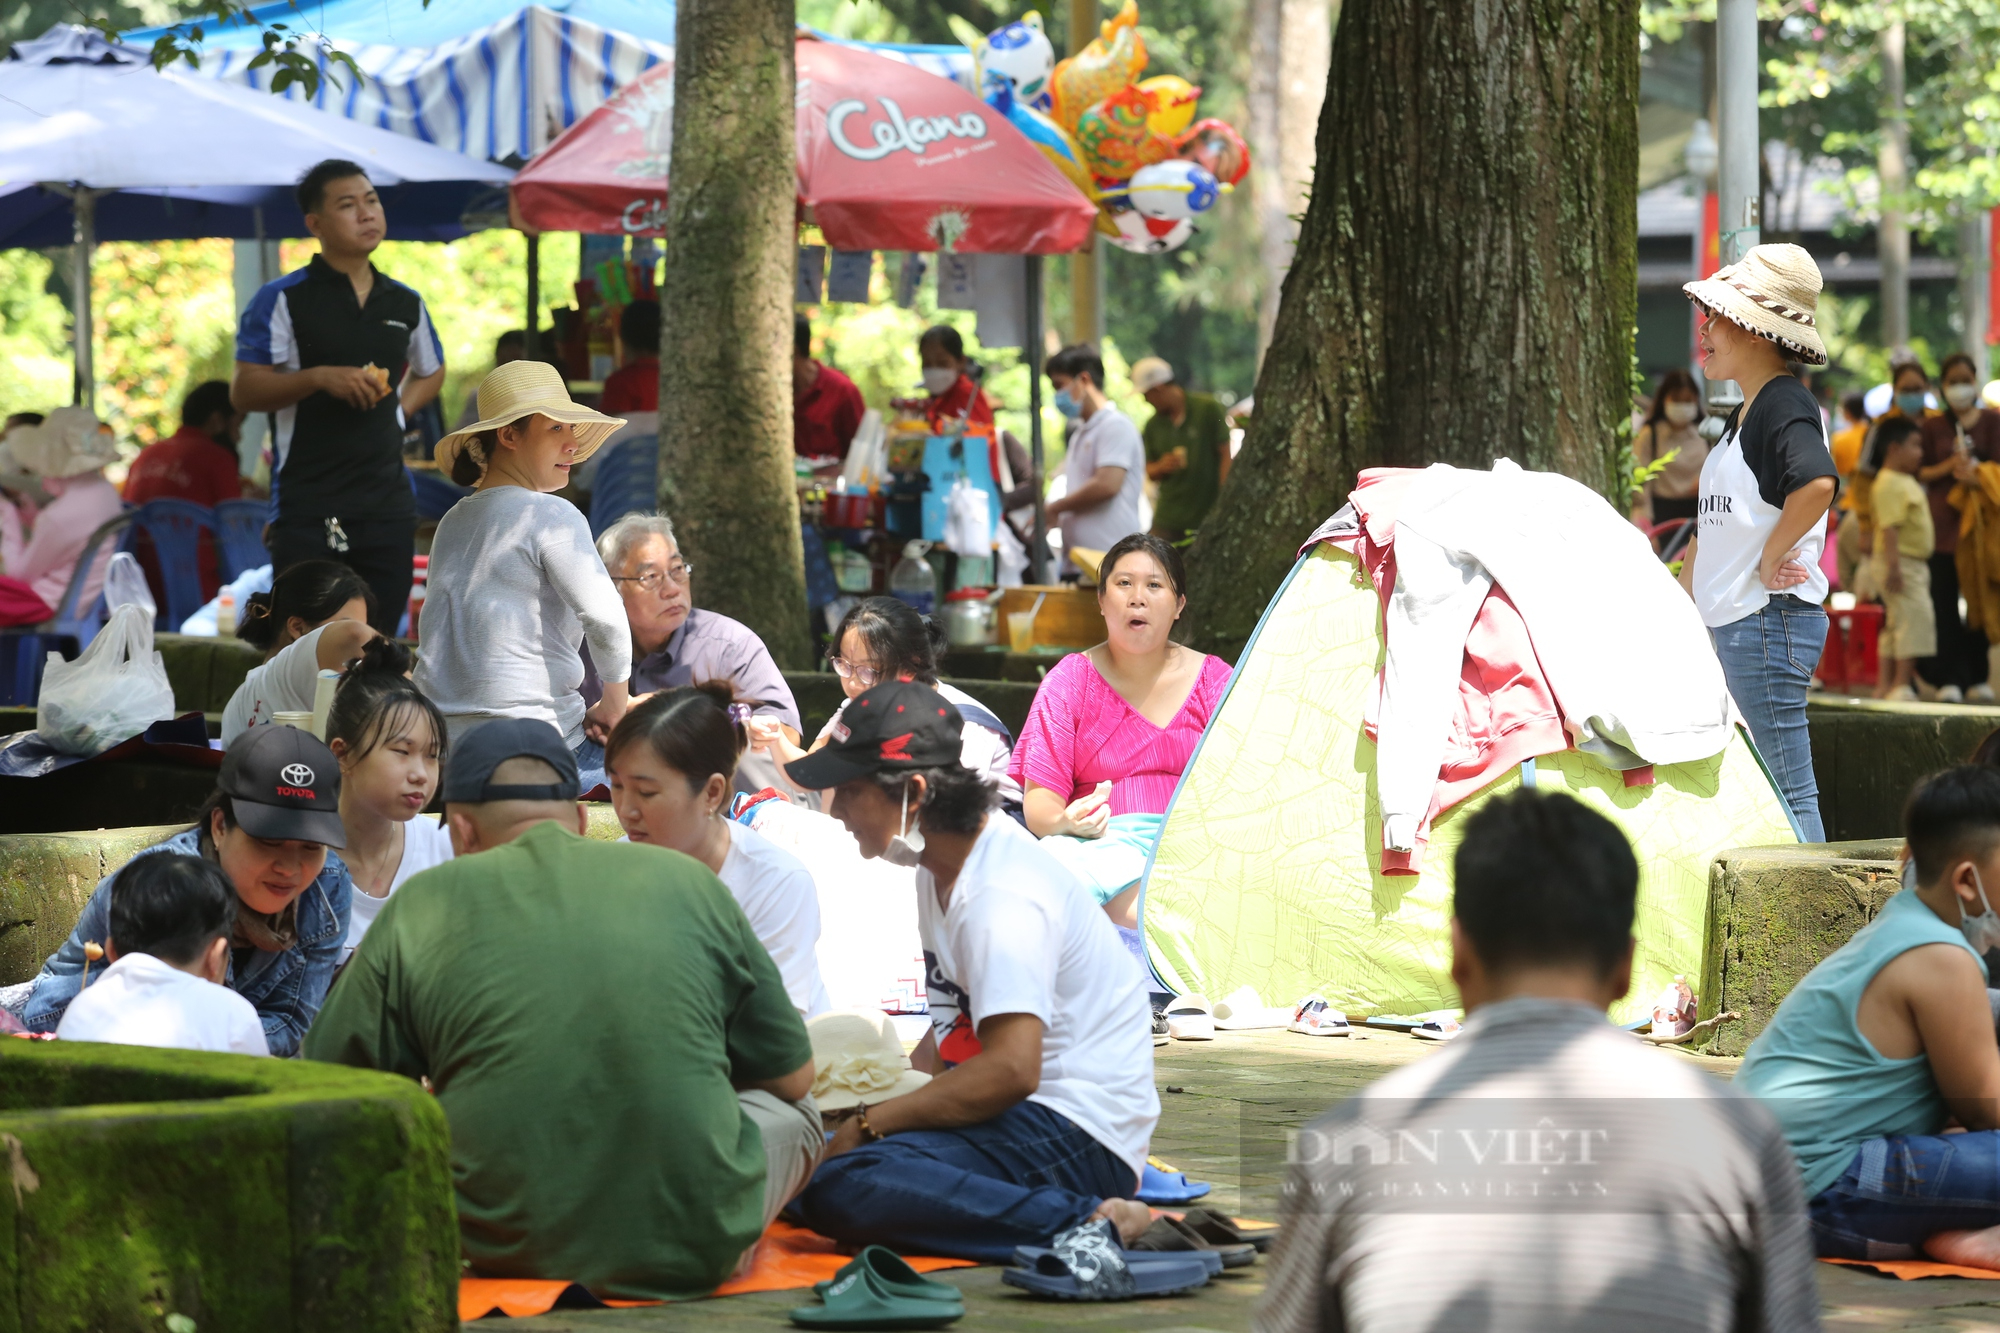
x=1961 y=395
x=1682 y=413
x=937 y=379
x=1911 y=404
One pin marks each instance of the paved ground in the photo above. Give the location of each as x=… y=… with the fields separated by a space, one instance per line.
x=1225 y=1106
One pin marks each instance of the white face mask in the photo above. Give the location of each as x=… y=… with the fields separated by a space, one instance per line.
x=1682 y=413
x=1982 y=932
x=1961 y=396
x=937 y=379
x=907 y=847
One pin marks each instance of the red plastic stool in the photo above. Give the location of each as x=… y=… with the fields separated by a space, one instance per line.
x=1849 y=662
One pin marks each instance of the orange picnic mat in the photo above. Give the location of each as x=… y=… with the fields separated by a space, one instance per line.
x=1908 y=1270
x=788 y=1258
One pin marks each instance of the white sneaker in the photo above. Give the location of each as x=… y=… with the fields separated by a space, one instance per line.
x=1950 y=694
x=1436 y=1029
x=1981 y=693
x=1902 y=694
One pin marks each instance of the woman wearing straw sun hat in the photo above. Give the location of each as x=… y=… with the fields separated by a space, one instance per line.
x=1753 y=568
x=69 y=451
x=515 y=584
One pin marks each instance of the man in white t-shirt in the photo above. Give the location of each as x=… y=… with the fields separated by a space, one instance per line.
x=1106 y=463
x=1042 y=1105
x=167 y=948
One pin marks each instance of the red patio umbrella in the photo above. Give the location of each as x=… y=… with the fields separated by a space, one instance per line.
x=890 y=158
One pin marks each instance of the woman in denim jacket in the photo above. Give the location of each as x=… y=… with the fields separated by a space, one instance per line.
x=269 y=825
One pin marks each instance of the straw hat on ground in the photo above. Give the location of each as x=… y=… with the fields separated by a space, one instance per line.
x=525 y=388
x=69 y=442
x=1773 y=292
x=857 y=1058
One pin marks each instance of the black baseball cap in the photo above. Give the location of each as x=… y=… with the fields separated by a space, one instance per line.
x=468 y=774
x=897 y=726
x=283 y=784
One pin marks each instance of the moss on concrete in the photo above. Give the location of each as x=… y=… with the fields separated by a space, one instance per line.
x=1774 y=913
x=1867 y=756
x=46 y=878
x=244 y=1194
x=205 y=671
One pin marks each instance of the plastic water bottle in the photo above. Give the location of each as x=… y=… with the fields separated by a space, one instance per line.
x=225 y=616
x=913 y=580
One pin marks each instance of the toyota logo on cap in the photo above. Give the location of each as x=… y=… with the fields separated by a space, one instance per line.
x=297 y=775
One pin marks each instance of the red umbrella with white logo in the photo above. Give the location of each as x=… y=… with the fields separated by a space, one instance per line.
x=890 y=158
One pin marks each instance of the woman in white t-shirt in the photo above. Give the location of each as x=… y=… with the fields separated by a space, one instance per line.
x=671 y=763
x=315 y=618
x=881 y=639
x=1753 y=567
x=390 y=741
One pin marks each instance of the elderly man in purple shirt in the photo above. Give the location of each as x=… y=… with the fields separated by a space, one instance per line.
x=673 y=643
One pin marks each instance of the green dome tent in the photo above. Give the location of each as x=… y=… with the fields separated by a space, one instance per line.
x=1267 y=868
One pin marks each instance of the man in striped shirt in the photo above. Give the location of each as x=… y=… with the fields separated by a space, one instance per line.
x=1547 y=1170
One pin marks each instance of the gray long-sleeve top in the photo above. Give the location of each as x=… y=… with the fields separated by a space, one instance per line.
x=514 y=587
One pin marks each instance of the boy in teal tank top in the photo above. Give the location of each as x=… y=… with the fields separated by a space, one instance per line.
x=1891 y=1039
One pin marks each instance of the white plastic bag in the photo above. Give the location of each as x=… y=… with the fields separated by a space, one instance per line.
x=125 y=585
x=968 y=520
x=868 y=453
x=111 y=693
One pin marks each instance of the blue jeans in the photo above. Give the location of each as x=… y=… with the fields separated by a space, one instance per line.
x=974 y=1193
x=1768 y=660
x=589 y=765
x=1900 y=1191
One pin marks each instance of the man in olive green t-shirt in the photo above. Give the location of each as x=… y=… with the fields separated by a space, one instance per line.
x=1187 y=449
x=627 y=1082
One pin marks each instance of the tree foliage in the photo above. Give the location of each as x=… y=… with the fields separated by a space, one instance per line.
x=1822 y=93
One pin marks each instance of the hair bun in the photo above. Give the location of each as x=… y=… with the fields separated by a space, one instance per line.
x=382 y=656
x=255 y=625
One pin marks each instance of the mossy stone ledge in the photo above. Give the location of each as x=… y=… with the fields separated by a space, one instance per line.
x=239 y=1193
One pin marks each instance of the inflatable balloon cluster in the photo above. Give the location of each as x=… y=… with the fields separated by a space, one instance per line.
x=1132 y=145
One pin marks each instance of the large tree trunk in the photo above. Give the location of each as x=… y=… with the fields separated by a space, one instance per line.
x=1892 y=238
x=1465 y=283
x=726 y=318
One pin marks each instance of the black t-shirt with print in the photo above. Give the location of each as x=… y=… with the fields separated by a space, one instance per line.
x=1783 y=440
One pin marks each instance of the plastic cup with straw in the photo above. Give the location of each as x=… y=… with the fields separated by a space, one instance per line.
x=1021 y=626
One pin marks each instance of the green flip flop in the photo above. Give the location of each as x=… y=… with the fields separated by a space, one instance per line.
x=861 y=1300
x=896 y=1276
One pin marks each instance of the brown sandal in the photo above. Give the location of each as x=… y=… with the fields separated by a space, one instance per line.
x=1219 y=1230
x=1169 y=1233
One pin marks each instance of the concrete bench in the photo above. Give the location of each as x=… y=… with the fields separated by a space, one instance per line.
x=234 y=1192
x=1774 y=913
x=1868 y=755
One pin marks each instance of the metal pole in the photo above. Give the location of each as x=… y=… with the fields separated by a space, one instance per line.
x=83 y=204
x=1741 y=192
x=1038 y=546
x=534 y=326
x=1086 y=266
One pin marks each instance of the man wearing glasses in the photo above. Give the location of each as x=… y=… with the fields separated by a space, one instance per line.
x=674 y=644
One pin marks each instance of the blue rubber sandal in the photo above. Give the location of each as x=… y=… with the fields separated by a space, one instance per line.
x=1086 y=1263
x=1161 y=1188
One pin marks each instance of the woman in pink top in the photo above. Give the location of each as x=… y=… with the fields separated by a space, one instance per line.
x=1112 y=729
x=69 y=452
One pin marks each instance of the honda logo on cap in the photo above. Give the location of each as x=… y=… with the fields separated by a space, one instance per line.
x=297 y=775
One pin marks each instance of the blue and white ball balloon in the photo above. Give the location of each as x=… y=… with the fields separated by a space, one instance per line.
x=1174 y=189
x=1019 y=52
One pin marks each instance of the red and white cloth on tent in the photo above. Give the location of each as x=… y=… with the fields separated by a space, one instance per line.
x=1505 y=712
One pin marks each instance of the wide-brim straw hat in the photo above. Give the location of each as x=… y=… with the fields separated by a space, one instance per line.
x=1773 y=292
x=523 y=389
x=69 y=442
x=857 y=1058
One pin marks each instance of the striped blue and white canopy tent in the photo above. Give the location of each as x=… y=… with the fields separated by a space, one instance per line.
x=488 y=78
